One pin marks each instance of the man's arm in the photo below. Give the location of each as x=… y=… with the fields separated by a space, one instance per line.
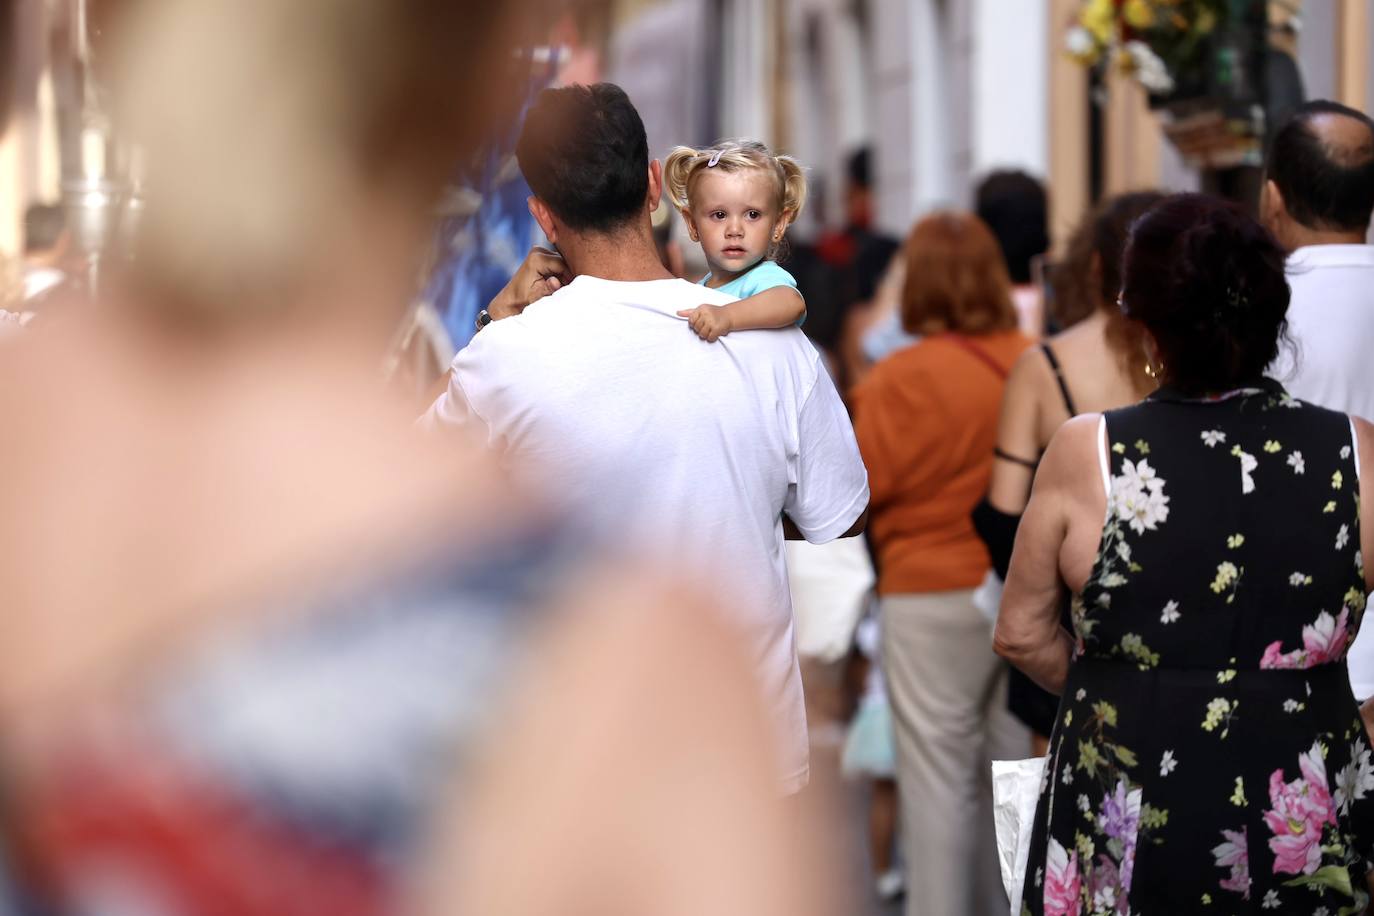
x=829 y=493
x=790 y=531
x=541 y=273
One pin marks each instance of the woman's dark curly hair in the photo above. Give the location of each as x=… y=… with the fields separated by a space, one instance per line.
x=1207 y=281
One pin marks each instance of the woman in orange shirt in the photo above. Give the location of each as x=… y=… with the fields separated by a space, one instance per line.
x=926 y=422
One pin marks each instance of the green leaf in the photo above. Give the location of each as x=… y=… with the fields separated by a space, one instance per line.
x=1152 y=818
x=1088 y=758
x=1126 y=756
x=1332 y=876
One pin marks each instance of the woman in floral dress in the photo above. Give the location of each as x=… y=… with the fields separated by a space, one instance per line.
x=1208 y=755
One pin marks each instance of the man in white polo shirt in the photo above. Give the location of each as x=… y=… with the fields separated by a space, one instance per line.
x=700 y=453
x=1317 y=200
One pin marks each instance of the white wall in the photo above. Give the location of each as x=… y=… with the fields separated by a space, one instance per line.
x=656 y=58
x=894 y=133
x=962 y=88
x=1010 y=97
x=828 y=103
x=1316 y=48
x=747 y=61
x=913 y=148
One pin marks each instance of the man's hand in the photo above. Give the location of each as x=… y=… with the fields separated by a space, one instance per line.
x=542 y=272
x=710 y=322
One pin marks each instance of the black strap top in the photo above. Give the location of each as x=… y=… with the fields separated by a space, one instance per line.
x=1059 y=377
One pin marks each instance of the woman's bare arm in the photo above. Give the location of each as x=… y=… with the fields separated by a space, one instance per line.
x=1028 y=632
x=1018 y=436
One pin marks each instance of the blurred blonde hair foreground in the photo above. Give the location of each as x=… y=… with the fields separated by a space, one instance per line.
x=203 y=455
x=270 y=130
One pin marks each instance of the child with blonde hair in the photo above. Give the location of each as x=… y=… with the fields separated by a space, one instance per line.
x=738 y=199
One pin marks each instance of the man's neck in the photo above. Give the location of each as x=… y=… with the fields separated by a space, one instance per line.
x=1305 y=238
x=627 y=257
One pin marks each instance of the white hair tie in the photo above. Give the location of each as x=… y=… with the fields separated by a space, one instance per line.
x=715 y=159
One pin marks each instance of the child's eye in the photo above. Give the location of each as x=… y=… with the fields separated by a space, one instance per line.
x=718 y=214
x=754 y=214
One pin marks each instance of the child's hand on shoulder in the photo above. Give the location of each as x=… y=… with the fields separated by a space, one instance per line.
x=710 y=322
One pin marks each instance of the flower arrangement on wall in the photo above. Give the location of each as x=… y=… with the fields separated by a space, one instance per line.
x=1162 y=43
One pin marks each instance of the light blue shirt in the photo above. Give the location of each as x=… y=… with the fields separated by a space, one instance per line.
x=764 y=275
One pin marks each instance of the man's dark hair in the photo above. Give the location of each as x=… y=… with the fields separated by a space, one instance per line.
x=1324 y=186
x=859 y=168
x=584 y=153
x=1014 y=206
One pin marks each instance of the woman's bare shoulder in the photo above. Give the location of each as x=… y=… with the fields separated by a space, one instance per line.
x=1072 y=449
x=1031 y=376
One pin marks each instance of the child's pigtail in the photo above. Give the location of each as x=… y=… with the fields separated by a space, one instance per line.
x=677 y=173
x=793 y=186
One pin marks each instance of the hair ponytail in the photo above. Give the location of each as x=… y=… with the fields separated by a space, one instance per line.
x=793 y=186
x=677 y=173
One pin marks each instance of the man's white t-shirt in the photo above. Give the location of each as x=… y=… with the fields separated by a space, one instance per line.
x=688 y=449
x=1330 y=362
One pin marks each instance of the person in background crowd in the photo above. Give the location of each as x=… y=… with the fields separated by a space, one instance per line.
x=869 y=755
x=926 y=421
x=706 y=454
x=848 y=264
x=1317 y=199
x=1014 y=206
x=1071 y=281
x=269 y=648
x=1097 y=365
x=1208 y=752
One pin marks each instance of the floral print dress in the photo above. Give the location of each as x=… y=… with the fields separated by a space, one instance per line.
x=1208 y=756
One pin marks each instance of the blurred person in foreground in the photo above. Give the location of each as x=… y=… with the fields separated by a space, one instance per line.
x=1208 y=750
x=270 y=649
x=1317 y=199
x=1096 y=365
x=702 y=454
x=926 y=419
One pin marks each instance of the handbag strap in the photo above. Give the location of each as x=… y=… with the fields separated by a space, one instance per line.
x=983 y=356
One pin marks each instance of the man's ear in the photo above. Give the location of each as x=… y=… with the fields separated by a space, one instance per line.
x=1272 y=209
x=655 y=184
x=544 y=217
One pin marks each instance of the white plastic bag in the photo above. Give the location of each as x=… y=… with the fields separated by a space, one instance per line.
x=830 y=583
x=1015 y=793
x=987 y=597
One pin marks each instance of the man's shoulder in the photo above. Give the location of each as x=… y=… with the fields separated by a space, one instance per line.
x=1319 y=284
x=1315 y=266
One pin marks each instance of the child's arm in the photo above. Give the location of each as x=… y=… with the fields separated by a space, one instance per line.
x=775 y=307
